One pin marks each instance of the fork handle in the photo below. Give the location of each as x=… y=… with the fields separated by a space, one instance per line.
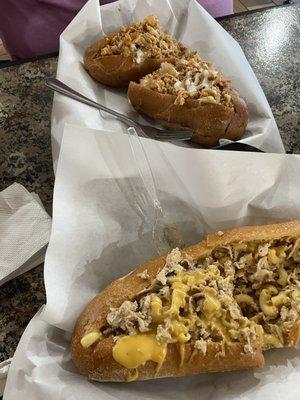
x=64 y=89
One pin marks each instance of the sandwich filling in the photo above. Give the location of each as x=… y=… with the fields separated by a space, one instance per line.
x=190 y=78
x=142 y=40
x=243 y=292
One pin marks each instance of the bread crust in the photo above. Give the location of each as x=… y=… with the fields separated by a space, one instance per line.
x=97 y=363
x=210 y=122
x=100 y=365
x=116 y=70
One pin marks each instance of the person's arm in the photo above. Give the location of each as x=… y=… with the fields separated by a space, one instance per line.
x=217 y=8
x=31 y=28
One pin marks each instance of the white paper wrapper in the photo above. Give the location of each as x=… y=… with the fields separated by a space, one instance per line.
x=102 y=229
x=4 y=367
x=187 y=21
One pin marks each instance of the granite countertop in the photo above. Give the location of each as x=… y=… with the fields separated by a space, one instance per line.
x=25 y=157
x=270 y=39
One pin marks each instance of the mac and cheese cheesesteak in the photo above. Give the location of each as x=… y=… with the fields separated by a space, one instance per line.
x=214 y=306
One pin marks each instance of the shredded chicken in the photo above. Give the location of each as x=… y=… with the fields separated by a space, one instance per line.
x=189 y=78
x=163 y=333
x=295 y=252
x=201 y=345
x=131 y=316
x=253 y=289
x=142 y=40
x=173 y=263
x=263 y=249
x=248 y=348
x=144 y=275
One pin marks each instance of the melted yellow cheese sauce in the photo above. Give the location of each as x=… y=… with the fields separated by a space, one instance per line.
x=135 y=350
x=212 y=315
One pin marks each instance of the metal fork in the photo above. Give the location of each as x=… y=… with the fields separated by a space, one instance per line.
x=145 y=130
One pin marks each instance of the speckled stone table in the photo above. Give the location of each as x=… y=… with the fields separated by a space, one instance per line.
x=270 y=40
x=25 y=157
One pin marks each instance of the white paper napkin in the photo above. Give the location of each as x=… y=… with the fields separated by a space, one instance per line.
x=24 y=231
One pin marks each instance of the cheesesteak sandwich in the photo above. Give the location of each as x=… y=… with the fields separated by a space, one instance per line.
x=131 y=53
x=214 y=306
x=190 y=94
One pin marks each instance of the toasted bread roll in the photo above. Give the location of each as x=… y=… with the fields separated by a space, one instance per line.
x=213 y=306
x=116 y=70
x=191 y=95
x=131 y=53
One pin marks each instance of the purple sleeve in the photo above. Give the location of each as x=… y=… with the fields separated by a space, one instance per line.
x=217 y=8
x=31 y=28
